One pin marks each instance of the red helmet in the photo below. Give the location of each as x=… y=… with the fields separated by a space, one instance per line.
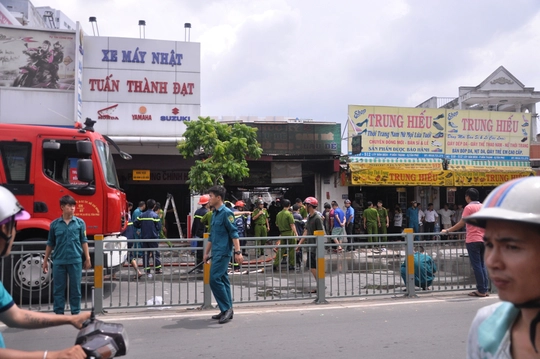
x=239 y=204
x=312 y=201
x=204 y=199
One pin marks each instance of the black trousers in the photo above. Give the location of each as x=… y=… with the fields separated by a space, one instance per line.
x=349 y=229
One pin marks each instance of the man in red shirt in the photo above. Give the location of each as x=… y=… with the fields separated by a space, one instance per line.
x=474 y=240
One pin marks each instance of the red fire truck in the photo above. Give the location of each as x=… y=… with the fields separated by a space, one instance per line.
x=40 y=164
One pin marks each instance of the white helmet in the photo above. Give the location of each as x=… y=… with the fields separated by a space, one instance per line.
x=517 y=200
x=9 y=207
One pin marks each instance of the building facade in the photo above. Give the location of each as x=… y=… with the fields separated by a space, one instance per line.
x=434 y=152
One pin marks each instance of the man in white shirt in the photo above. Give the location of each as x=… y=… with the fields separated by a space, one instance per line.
x=446 y=217
x=429 y=220
x=421 y=215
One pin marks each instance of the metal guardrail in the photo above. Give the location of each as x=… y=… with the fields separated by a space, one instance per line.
x=368 y=269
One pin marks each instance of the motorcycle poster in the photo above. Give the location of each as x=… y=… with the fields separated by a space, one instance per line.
x=37 y=59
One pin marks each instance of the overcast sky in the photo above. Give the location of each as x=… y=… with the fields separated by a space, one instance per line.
x=310 y=58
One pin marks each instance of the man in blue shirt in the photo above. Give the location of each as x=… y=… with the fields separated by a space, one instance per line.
x=223 y=237
x=10 y=213
x=338 y=223
x=67 y=242
x=412 y=215
x=349 y=221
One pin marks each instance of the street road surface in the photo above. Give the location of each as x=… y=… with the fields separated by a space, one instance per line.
x=426 y=327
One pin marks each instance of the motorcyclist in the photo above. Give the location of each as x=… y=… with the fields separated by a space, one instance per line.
x=511 y=218
x=43 y=64
x=10 y=314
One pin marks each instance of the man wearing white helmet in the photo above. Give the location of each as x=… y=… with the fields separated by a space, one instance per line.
x=511 y=218
x=10 y=314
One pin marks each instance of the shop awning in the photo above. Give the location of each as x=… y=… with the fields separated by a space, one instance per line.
x=488 y=173
x=367 y=171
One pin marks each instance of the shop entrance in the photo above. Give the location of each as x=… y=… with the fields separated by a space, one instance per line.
x=141 y=192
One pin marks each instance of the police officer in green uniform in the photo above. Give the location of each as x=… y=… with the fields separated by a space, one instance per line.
x=371 y=221
x=285 y=223
x=303 y=211
x=207 y=220
x=223 y=237
x=67 y=241
x=259 y=219
x=383 y=220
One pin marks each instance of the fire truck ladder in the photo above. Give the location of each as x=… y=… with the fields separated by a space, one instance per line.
x=170 y=200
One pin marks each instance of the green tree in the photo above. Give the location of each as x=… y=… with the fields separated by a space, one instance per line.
x=221 y=150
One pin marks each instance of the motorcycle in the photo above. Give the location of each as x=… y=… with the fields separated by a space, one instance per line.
x=38 y=73
x=101 y=340
x=28 y=73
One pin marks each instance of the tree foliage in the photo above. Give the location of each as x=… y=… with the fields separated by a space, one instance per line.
x=221 y=151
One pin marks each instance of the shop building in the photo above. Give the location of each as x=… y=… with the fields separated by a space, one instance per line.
x=141 y=93
x=300 y=159
x=434 y=152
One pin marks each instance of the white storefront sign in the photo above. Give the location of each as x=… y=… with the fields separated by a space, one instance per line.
x=140 y=87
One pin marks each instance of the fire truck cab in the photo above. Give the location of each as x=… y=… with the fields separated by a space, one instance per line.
x=39 y=165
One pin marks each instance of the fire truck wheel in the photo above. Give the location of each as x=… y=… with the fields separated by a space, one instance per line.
x=29 y=283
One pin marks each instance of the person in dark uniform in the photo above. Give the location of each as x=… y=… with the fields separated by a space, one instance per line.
x=197 y=228
x=240 y=219
x=11 y=315
x=129 y=233
x=223 y=237
x=67 y=242
x=150 y=226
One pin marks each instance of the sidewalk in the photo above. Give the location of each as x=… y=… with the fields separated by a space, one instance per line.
x=296 y=305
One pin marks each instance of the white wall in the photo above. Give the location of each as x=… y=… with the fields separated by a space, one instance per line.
x=333 y=191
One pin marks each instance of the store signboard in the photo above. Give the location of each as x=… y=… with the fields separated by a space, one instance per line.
x=141 y=175
x=488 y=135
x=299 y=138
x=141 y=87
x=400 y=177
x=487 y=178
x=398 y=131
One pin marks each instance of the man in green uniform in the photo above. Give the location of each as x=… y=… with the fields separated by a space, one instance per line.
x=206 y=220
x=303 y=211
x=371 y=221
x=383 y=220
x=259 y=219
x=285 y=223
x=67 y=237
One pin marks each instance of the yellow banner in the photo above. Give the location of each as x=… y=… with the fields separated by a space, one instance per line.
x=396 y=177
x=141 y=175
x=488 y=135
x=403 y=132
x=398 y=131
x=490 y=179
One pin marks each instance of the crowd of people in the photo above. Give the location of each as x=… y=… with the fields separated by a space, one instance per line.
x=502 y=238
x=264 y=221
